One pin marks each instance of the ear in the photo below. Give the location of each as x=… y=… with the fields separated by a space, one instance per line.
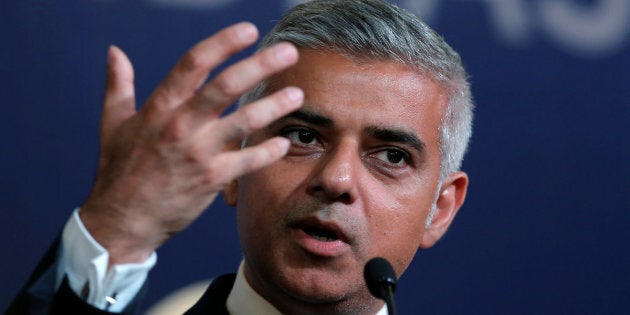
x=230 y=193
x=450 y=199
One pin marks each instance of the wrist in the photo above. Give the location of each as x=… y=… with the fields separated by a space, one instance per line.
x=126 y=240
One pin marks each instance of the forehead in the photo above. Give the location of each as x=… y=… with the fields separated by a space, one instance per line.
x=375 y=93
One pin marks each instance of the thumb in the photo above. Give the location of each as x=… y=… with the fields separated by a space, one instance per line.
x=119 y=103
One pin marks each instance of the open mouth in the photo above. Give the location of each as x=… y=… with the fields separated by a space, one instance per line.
x=320 y=234
x=320 y=231
x=321 y=238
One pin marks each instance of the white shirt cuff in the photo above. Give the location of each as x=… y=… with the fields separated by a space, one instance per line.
x=85 y=262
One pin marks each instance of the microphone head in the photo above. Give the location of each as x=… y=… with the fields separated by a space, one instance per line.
x=379 y=276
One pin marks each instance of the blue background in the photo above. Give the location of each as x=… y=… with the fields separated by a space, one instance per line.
x=546 y=225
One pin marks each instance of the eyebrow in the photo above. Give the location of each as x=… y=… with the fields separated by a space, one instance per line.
x=311 y=118
x=397 y=135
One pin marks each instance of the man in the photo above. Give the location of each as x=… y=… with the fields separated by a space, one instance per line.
x=357 y=119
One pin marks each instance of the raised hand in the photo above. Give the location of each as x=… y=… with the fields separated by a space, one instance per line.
x=161 y=166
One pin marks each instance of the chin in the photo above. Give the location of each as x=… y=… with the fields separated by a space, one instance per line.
x=323 y=299
x=318 y=290
x=321 y=286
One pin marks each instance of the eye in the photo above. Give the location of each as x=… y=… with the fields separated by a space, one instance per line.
x=301 y=136
x=393 y=156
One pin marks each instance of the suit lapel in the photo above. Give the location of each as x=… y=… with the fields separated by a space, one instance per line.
x=213 y=300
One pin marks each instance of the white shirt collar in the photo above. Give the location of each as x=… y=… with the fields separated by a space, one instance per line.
x=243 y=300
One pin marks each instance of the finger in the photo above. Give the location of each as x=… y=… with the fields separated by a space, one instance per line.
x=232 y=164
x=259 y=114
x=214 y=97
x=192 y=69
x=119 y=103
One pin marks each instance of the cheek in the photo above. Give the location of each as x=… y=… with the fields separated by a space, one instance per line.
x=401 y=228
x=403 y=240
x=397 y=224
x=267 y=190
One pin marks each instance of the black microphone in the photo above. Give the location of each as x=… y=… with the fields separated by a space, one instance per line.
x=381 y=280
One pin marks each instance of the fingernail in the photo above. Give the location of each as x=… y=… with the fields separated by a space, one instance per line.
x=283 y=144
x=113 y=54
x=295 y=94
x=285 y=53
x=247 y=32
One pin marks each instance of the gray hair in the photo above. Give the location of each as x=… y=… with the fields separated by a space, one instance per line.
x=377 y=30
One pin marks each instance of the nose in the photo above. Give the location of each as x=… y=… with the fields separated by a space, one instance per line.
x=335 y=178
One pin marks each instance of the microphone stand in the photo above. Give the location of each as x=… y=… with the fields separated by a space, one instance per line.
x=389 y=300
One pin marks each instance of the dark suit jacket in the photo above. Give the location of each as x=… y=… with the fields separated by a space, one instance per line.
x=32 y=299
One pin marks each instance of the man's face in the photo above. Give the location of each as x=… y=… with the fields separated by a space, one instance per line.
x=358 y=182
